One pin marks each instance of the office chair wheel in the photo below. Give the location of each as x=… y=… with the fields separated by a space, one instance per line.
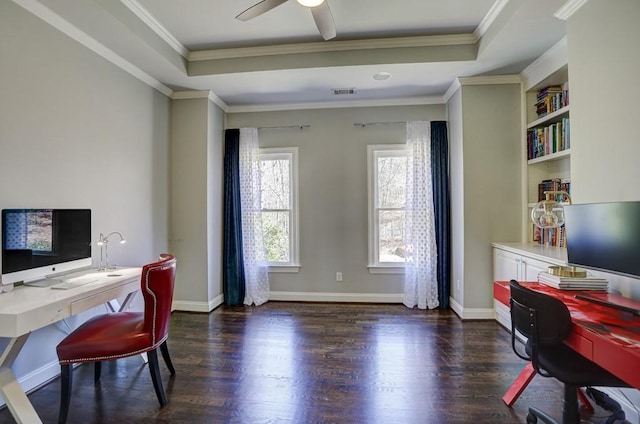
x=531 y=419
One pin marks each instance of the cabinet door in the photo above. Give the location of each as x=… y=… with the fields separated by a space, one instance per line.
x=531 y=267
x=506 y=265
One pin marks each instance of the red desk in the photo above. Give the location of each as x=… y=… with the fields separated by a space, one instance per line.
x=607 y=336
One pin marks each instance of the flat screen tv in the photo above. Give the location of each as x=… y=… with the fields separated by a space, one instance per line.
x=40 y=242
x=604 y=237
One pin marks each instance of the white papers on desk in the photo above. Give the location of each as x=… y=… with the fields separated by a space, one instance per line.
x=571 y=283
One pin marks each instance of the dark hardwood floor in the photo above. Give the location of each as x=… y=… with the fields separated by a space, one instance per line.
x=313 y=363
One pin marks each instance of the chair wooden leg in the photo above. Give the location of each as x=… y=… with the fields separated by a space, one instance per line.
x=167 y=359
x=66 y=380
x=97 y=371
x=154 y=369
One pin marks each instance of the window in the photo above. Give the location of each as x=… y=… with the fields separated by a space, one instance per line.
x=279 y=208
x=387 y=173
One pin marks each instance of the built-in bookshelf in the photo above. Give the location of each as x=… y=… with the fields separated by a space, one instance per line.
x=547 y=146
x=549 y=134
x=552 y=236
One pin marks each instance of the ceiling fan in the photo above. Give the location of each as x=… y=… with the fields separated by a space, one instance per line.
x=319 y=9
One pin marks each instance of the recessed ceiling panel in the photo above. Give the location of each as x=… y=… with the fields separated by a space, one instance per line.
x=204 y=24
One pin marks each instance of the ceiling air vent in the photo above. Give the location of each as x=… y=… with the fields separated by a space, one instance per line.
x=343 y=91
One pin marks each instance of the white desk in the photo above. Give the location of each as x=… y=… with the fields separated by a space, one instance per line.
x=26 y=309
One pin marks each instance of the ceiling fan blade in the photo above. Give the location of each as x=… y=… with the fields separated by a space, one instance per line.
x=259 y=8
x=324 y=20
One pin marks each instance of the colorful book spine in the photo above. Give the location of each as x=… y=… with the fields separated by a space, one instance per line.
x=550 y=99
x=547 y=140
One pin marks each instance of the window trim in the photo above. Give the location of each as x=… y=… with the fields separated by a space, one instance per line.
x=290 y=153
x=375 y=151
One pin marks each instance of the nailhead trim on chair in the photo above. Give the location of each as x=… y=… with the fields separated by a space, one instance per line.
x=155 y=299
x=154 y=344
x=109 y=357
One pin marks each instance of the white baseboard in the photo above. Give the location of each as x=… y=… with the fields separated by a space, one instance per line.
x=336 y=297
x=37 y=378
x=190 y=306
x=471 y=313
x=456 y=307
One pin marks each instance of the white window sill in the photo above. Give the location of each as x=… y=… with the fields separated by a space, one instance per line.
x=386 y=269
x=284 y=269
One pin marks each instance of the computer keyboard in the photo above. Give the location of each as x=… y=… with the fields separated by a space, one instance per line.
x=73 y=283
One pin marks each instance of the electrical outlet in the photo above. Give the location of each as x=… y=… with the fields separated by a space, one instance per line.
x=338 y=276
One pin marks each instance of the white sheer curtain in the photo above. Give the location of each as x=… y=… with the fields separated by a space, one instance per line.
x=420 y=281
x=255 y=266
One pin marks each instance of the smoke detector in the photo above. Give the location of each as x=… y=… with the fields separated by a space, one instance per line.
x=381 y=76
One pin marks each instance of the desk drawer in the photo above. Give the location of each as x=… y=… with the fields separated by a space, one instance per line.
x=581 y=345
x=502 y=292
x=46 y=315
x=101 y=298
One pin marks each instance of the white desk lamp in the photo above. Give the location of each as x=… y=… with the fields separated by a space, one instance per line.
x=103 y=242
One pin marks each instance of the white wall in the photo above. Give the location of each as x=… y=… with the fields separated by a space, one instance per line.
x=456 y=136
x=604 y=65
x=486 y=184
x=492 y=175
x=78 y=132
x=333 y=195
x=215 y=178
x=196 y=202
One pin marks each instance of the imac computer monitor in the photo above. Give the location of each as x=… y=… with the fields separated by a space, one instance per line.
x=40 y=242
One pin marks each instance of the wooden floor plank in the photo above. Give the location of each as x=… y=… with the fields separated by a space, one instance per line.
x=287 y=362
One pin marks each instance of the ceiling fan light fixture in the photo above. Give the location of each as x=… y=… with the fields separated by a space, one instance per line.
x=310 y=3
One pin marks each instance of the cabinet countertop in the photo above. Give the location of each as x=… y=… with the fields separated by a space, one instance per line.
x=554 y=255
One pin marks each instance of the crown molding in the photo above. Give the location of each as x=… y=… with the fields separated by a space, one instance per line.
x=200 y=94
x=218 y=101
x=490 y=80
x=569 y=9
x=334 y=46
x=416 y=101
x=190 y=94
x=482 y=80
x=455 y=86
x=489 y=18
x=550 y=61
x=156 y=26
x=64 y=26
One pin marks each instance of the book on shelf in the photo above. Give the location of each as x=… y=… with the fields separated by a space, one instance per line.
x=547 y=140
x=554 y=184
x=573 y=283
x=555 y=237
x=551 y=98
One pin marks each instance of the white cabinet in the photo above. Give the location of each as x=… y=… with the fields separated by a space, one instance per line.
x=512 y=266
x=521 y=262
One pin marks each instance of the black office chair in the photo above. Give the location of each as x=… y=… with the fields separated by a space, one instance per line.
x=545 y=322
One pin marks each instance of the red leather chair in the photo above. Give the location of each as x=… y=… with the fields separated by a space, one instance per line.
x=121 y=334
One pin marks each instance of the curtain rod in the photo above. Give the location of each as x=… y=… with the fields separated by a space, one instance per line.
x=366 y=124
x=300 y=127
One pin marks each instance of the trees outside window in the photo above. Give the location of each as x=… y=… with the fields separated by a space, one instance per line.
x=279 y=205
x=387 y=199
